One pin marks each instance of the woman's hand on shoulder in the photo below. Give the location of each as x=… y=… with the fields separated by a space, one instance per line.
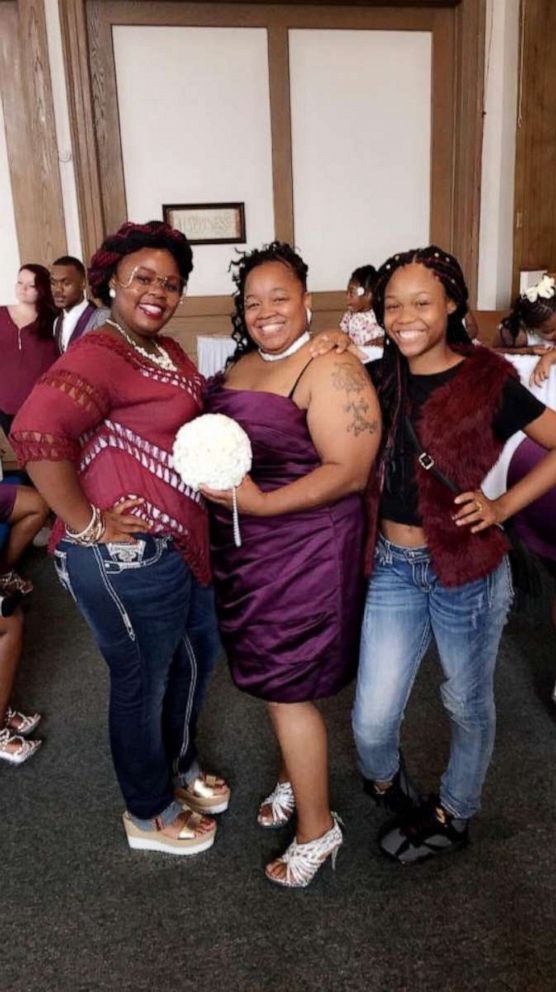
x=332 y=340
x=119 y=525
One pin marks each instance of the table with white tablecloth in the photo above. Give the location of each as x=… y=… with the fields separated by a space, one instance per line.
x=213 y=352
x=495 y=483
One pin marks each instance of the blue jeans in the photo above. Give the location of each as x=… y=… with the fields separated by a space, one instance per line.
x=406 y=607
x=156 y=628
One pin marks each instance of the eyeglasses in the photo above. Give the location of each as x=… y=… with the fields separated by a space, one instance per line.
x=145 y=279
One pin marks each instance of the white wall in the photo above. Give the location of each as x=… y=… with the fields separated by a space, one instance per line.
x=361 y=131
x=9 y=251
x=496 y=234
x=498 y=171
x=195 y=126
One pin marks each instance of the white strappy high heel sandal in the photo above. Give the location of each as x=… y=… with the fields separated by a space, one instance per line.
x=282 y=806
x=303 y=861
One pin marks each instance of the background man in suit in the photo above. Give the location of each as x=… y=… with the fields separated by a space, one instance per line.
x=68 y=281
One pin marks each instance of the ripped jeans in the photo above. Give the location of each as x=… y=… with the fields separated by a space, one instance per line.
x=155 y=627
x=406 y=608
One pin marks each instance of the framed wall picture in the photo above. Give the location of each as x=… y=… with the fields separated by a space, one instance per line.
x=208 y=223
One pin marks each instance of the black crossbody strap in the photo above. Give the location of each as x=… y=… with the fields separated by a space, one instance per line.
x=426 y=460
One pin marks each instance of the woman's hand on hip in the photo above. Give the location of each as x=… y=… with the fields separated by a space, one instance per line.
x=119 y=525
x=250 y=499
x=477 y=511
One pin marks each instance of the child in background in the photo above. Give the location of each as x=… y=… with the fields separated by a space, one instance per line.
x=359 y=321
x=530 y=327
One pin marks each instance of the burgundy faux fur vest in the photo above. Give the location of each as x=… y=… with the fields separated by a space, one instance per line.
x=455 y=427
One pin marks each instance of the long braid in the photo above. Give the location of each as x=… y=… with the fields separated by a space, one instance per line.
x=393 y=384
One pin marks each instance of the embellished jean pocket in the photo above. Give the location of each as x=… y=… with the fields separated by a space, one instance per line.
x=121 y=556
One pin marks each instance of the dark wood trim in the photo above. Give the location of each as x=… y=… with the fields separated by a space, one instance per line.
x=468 y=137
x=534 y=238
x=442 y=137
x=281 y=131
x=104 y=92
x=30 y=131
x=80 y=101
x=457 y=65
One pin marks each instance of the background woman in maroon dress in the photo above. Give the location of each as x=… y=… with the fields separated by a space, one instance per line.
x=290 y=597
x=27 y=344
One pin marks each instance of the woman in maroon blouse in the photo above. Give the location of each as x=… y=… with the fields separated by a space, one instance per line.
x=131 y=540
x=27 y=344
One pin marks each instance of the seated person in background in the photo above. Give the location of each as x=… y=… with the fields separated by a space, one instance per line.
x=530 y=327
x=79 y=315
x=359 y=321
x=25 y=511
x=26 y=342
x=14 y=726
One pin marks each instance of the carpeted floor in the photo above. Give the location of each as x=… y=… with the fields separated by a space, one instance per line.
x=81 y=912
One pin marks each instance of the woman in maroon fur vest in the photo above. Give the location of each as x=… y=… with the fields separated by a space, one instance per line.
x=438 y=553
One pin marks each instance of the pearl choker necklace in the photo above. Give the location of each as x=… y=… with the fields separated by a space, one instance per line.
x=297 y=344
x=161 y=358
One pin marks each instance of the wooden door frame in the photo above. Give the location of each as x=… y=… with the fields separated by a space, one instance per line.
x=458 y=54
x=26 y=89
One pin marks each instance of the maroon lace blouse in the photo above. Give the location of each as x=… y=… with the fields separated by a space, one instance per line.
x=25 y=356
x=115 y=414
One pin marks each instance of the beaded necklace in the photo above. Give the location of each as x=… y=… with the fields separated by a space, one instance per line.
x=161 y=358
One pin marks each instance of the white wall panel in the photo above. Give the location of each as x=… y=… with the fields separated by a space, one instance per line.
x=9 y=250
x=195 y=128
x=361 y=128
x=498 y=167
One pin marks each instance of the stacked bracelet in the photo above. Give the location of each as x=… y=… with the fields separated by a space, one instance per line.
x=92 y=533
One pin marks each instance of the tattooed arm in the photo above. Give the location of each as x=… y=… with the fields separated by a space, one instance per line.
x=344 y=422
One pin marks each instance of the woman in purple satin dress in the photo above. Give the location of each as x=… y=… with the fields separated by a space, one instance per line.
x=290 y=597
x=535 y=525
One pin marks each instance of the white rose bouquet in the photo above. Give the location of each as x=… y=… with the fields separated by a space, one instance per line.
x=213 y=451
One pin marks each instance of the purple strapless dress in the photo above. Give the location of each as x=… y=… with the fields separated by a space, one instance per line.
x=290 y=598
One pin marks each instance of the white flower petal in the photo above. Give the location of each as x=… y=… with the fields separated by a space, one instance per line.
x=212 y=450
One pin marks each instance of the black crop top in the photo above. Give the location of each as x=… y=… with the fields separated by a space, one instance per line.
x=399 y=500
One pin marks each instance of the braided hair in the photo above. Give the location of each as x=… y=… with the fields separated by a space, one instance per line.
x=393 y=385
x=130 y=238
x=526 y=313
x=276 y=251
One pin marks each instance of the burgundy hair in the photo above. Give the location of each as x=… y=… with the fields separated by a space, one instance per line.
x=132 y=237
